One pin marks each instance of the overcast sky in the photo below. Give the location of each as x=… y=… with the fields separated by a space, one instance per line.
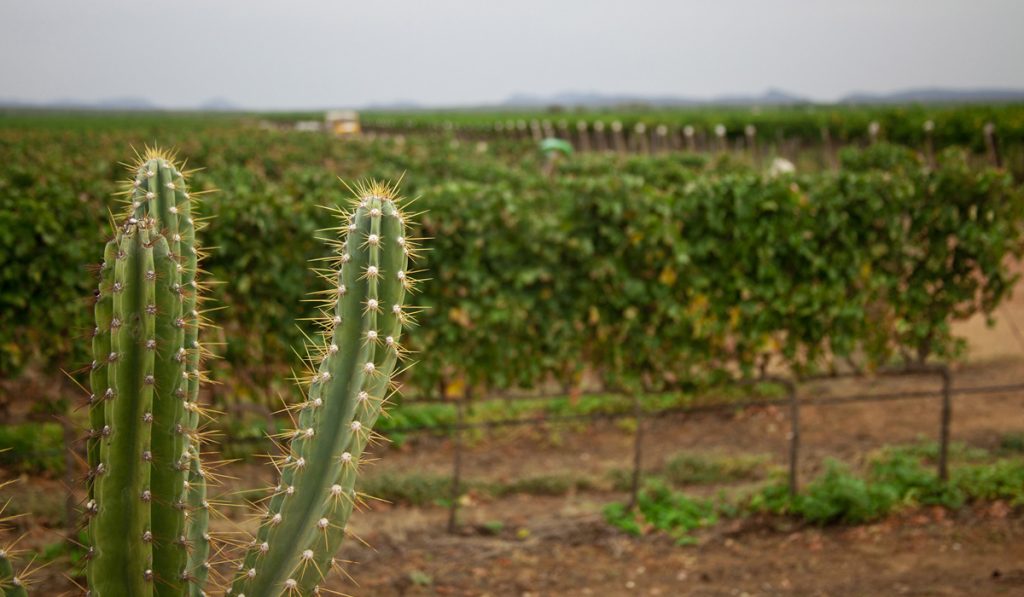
x=321 y=53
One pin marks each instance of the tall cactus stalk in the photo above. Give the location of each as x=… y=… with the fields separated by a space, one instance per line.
x=143 y=443
x=307 y=513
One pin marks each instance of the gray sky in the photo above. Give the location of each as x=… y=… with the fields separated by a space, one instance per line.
x=317 y=53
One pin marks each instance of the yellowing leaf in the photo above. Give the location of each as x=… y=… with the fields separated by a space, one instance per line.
x=668 y=276
x=769 y=344
x=460 y=316
x=455 y=388
x=699 y=304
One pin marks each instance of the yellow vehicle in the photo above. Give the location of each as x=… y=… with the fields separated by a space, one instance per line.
x=342 y=122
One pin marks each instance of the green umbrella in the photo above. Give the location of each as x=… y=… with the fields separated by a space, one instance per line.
x=551 y=144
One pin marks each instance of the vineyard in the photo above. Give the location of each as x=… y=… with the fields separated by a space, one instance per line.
x=596 y=302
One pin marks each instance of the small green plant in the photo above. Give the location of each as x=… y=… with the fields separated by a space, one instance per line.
x=660 y=508
x=412 y=490
x=420 y=578
x=688 y=468
x=493 y=527
x=1012 y=442
x=1002 y=480
x=899 y=477
x=32 y=448
x=840 y=496
x=550 y=485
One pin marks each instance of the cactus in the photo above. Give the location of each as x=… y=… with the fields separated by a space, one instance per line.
x=364 y=312
x=143 y=445
x=147 y=505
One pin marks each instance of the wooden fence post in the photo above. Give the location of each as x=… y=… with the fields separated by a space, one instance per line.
x=453 y=507
x=720 y=135
x=659 y=139
x=929 y=143
x=944 y=422
x=584 y=139
x=618 y=138
x=600 y=141
x=638 y=441
x=538 y=136
x=750 y=132
x=830 y=150
x=563 y=130
x=992 y=145
x=874 y=129
x=640 y=134
x=794 y=437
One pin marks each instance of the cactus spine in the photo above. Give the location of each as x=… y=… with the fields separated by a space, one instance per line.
x=143 y=444
x=10 y=584
x=307 y=513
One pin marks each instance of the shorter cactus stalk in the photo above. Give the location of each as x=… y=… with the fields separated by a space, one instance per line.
x=308 y=512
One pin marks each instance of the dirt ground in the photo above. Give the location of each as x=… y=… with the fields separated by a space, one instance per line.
x=927 y=554
x=560 y=546
x=526 y=545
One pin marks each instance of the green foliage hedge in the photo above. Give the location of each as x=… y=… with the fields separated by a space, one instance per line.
x=953 y=124
x=646 y=269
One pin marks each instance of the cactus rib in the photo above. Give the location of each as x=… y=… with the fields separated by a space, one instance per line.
x=122 y=526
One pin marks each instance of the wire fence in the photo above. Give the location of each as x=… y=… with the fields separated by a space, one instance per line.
x=640 y=138
x=642 y=415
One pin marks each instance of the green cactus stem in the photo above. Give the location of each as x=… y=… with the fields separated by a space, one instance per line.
x=307 y=513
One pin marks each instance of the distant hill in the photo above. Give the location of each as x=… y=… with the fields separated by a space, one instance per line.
x=396 y=106
x=772 y=97
x=938 y=95
x=219 y=104
x=115 y=104
x=578 y=99
x=112 y=104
